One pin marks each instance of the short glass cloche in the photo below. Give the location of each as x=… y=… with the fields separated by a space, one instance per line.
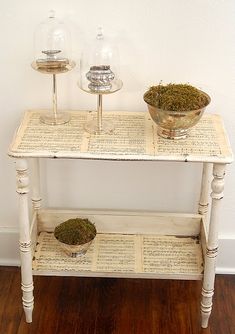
x=100 y=75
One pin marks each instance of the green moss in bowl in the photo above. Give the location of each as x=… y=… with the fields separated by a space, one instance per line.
x=175 y=108
x=75 y=236
x=176 y=97
x=75 y=231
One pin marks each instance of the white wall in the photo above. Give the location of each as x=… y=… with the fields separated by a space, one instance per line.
x=174 y=41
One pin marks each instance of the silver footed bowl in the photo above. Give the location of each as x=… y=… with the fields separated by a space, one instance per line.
x=75 y=250
x=175 y=124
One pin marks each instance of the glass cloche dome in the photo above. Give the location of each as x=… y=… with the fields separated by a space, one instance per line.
x=99 y=74
x=52 y=55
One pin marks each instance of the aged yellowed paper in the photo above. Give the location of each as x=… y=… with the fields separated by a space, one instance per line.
x=134 y=138
x=128 y=253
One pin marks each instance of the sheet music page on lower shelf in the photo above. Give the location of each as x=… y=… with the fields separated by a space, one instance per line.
x=124 y=253
x=169 y=254
x=115 y=253
x=49 y=255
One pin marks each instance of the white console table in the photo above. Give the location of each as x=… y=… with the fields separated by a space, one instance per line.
x=129 y=243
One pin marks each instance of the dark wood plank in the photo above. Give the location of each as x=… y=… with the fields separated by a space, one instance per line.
x=10 y=300
x=70 y=305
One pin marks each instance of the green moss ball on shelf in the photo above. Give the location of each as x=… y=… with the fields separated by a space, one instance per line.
x=75 y=231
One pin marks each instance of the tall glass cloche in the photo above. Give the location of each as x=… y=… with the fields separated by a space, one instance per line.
x=99 y=74
x=53 y=55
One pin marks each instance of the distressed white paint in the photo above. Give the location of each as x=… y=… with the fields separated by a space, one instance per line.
x=205 y=187
x=129 y=222
x=132 y=222
x=10 y=253
x=25 y=238
x=175 y=41
x=36 y=187
x=55 y=261
x=217 y=186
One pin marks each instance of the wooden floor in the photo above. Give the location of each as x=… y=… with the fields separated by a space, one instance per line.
x=69 y=305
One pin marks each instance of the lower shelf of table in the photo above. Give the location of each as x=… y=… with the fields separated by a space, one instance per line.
x=128 y=244
x=125 y=254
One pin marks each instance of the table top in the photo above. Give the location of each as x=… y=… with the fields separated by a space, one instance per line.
x=134 y=138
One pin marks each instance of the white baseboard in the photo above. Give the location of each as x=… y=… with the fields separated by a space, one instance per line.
x=226 y=258
x=9 y=250
x=9 y=254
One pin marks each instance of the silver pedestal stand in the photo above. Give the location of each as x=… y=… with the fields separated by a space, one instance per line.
x=100 y=78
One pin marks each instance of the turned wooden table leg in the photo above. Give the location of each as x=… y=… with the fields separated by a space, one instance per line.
x=36 y=192
x=217 y=186
x=205 y=187
x=24 y=241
